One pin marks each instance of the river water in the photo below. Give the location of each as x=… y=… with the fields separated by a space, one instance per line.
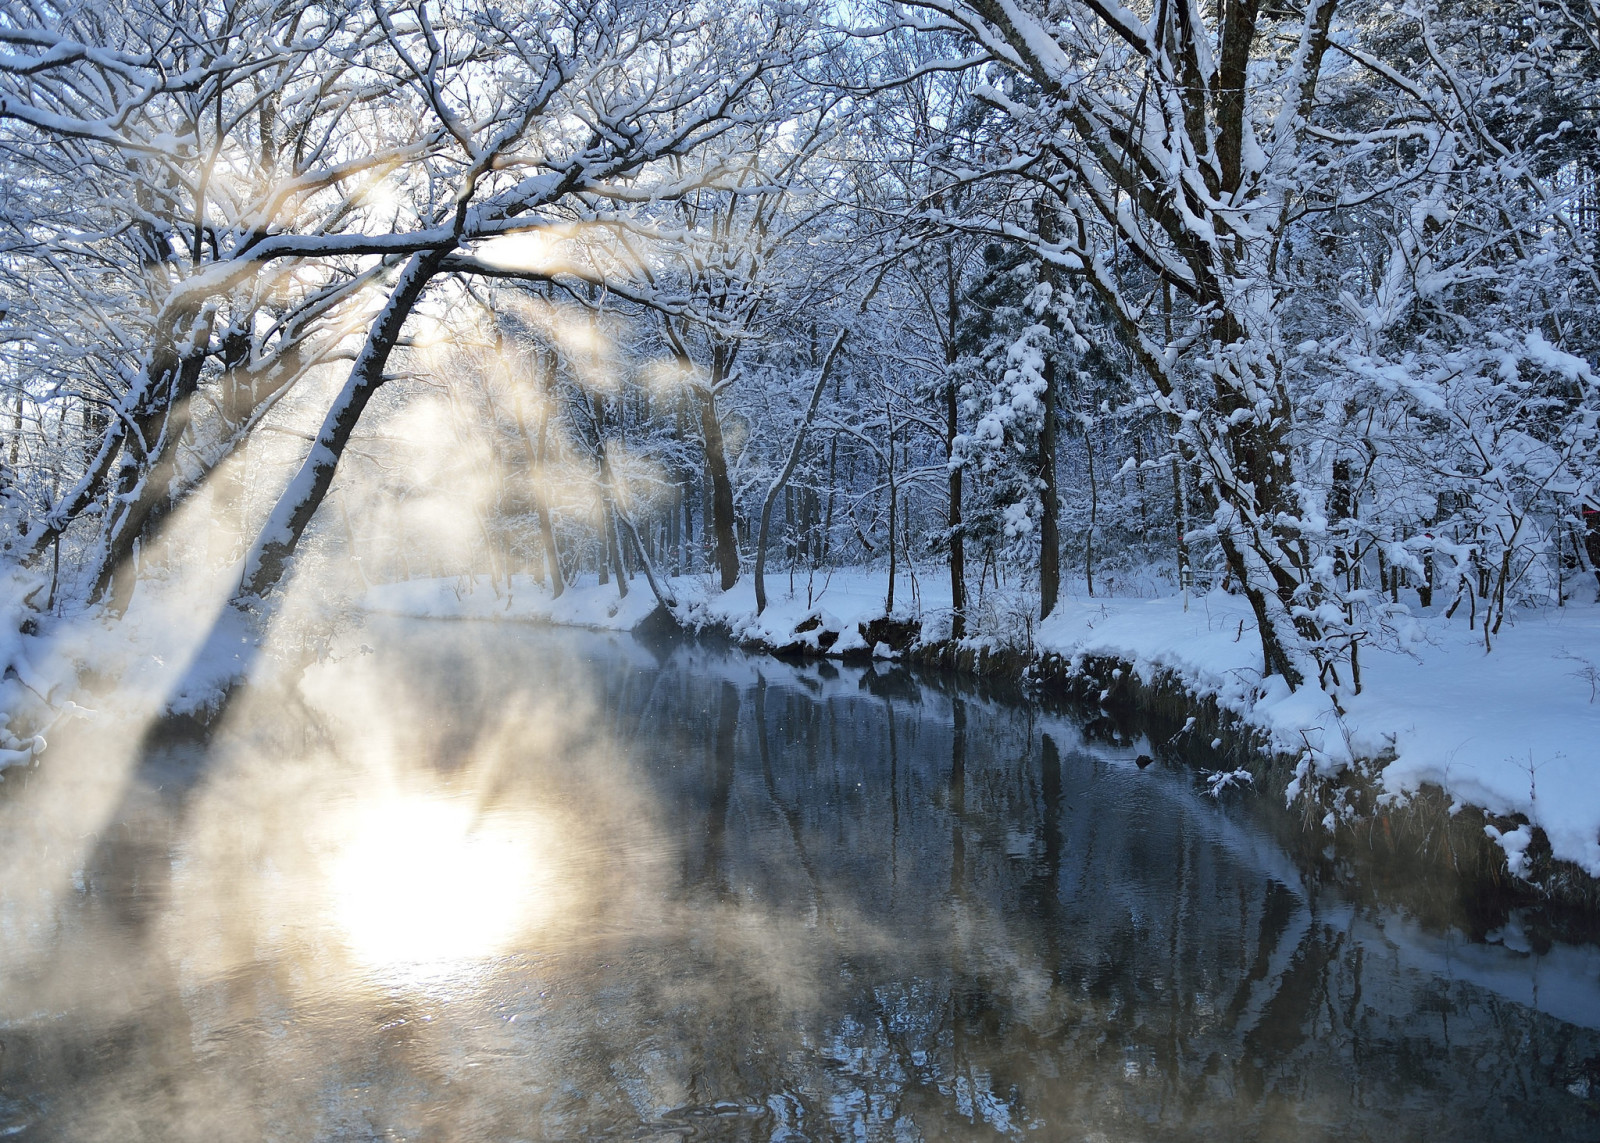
x=500 y=883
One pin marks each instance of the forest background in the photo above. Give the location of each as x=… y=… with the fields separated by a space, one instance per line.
x=1019 y=298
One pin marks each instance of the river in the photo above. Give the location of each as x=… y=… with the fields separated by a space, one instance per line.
x=493 y=882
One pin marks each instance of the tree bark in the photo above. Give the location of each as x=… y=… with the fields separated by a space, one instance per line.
x=894 y=499
x=782 y=480
x=536 y=455
x=1180 y=517
x=224 y=659
x=726 y=544
x=269 y=560
x=143 y=404
x=952 y=409
x=1050 y=505
x=149 y=460
x=159 y=494
x=1049 y=524
x=958 y=543
x=614 y=547
x=1094 y=510
x=1591 y=537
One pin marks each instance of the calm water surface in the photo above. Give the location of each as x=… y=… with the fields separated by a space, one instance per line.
x=492 y=883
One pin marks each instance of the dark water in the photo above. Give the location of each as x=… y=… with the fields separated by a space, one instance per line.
x=490 y=883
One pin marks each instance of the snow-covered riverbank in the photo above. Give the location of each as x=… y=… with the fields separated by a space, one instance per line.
x=1514 y=732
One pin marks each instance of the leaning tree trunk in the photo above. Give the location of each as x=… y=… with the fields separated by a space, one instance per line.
x=143 y=406
x=230 y=647
x=144 y=487
x=150 y=500
x=280 y=536
x=169 y=376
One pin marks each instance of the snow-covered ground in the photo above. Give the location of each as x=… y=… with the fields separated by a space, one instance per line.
x=1516 y=730
x=581 y=605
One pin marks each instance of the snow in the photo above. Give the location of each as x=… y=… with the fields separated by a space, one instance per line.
x=842 y=602
x=468 y=597
x=22 y=683
x=1513 y=731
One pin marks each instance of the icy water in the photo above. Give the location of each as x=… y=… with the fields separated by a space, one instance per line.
x=497 y=883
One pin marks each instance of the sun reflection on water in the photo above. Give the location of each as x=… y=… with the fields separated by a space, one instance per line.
x=430 y=884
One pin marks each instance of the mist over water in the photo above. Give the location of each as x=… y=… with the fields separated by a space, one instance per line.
x=487 y=882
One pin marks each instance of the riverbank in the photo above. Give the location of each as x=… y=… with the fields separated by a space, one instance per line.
x=1487 y=763
x=519 y=847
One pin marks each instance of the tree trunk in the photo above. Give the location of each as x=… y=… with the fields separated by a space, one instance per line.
x=536 y=455
x=280 y=537
x=247 y=393
x=1180 y=517
x=1591 y=537
x=614 y=547
x=1049 y=525
x=825 y=547
x=1094 y=511
x=611 y=550
x=146 y=481
x=958 y=543
x=1253 y=476
x=952 y=409
x=782 y=480
x=894 y=497
x=225 y=657
x=726 y=544
x=658 y=584
x=1050 y=506
x=144 y=406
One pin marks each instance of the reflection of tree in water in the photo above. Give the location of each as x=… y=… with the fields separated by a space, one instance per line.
x=880 y=912
x=1010 y=936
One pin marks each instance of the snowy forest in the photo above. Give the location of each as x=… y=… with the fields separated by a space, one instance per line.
x=799 y=569
x=1293 y=300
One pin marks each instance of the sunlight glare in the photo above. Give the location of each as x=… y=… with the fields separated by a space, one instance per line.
x=541 y=251
x=420 y=882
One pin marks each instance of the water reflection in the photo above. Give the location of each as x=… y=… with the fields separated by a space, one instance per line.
x=428 y=883
x=501 y=884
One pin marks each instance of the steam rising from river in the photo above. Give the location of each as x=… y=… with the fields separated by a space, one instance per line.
x=394 y=867
x=489 y=882
x=405 y=829
x=438 y=824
